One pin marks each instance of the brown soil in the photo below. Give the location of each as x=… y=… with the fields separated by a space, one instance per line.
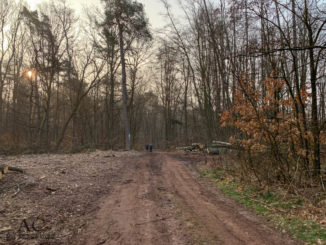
x=122 y=198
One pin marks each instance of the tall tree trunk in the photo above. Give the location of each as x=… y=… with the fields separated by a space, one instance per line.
x=124 y=90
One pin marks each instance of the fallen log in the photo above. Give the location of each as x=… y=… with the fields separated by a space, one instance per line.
x=5 y=168
x=15 y=169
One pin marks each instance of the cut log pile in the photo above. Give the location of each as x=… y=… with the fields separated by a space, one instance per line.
x=216 y=147
x=194 y=147
x=4 y=169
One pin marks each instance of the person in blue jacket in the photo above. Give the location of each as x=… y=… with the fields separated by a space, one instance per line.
x=150 y=147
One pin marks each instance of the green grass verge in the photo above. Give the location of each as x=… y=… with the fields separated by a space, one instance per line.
x=279 y=210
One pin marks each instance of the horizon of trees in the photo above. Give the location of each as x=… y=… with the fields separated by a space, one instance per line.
x=252 y=70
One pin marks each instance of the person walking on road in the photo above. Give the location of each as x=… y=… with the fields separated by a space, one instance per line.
x=150 y=147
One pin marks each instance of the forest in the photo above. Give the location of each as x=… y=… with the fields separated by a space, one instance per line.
x=251 y=72
x=228 y=95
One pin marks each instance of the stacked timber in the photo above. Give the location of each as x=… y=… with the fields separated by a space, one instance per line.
x=219 y=147
x=216 y=147
x=184 y=148
x=194 y=147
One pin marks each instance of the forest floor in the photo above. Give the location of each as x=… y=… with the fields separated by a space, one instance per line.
x=106 y=197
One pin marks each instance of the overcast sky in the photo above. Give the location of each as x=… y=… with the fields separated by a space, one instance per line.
x=154 y=8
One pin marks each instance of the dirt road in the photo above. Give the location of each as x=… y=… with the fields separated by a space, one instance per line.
x=160 y=198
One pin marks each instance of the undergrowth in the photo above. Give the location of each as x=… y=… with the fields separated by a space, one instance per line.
x=284 y=211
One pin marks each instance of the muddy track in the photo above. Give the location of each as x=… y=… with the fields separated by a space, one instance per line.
x=159 y=199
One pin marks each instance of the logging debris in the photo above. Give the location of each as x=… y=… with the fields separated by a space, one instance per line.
x=65 y=189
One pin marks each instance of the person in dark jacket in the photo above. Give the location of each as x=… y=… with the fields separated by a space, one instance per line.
x=147 y=146
x=150 y=147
